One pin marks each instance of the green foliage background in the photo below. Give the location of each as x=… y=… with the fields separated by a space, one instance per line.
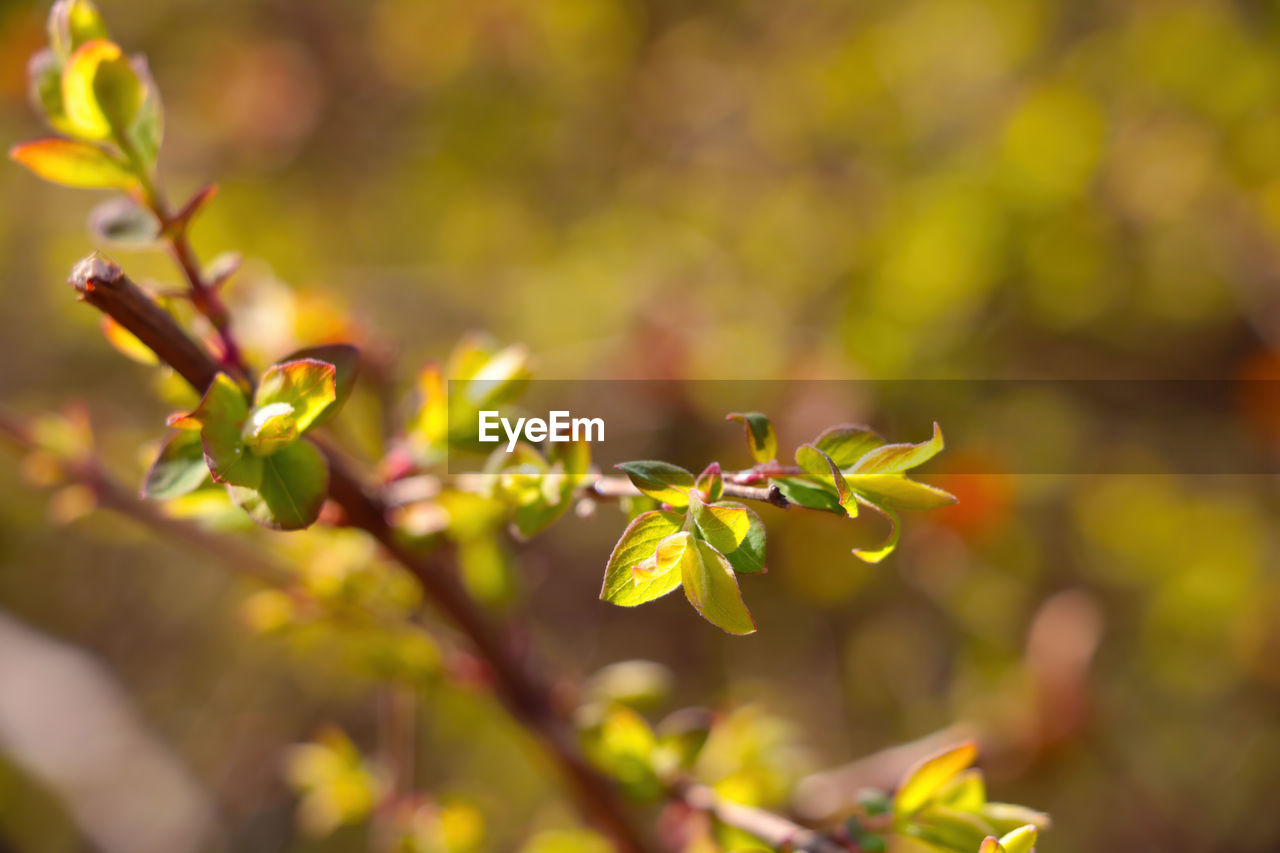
x=930 y=188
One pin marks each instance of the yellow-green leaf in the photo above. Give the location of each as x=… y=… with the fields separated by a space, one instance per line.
x=927 y=777
x=291 y=490
x=819 y=465
x=712 y=587
x=896 y=458
x=661 y=481
x=307 y=385
x=71 y=24
x=899 y=492
x=847 y=443
x=179 y=468
x=1021 y=840
x=73 y=164
x=637 y=544
x=101 y=92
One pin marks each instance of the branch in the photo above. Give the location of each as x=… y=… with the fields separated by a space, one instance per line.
x=774 y=830
x=105 y=286
x=621 y=487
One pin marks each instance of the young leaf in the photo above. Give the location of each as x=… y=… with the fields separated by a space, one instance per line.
x=723 y=527
x=711 y=482
x=123 y=223
x=896 y=458
x=269 y=428
x=345 y=359
x=847 y=443
x=1006 y=817
x=875 y=555
x=73 y=164
x=895 y=490
x=926 y=778
x=761 y=438
x=991 y=845
x=661 y=481
x=101 y=92
x=819 y=465
x=292 y=489
x=71 y=24
x=147 y=131
x=638 y=543
x=220 y=415
x=949 y=828
x=179 y=469
x=1021 y=840
x=712 y=588
x=307 y=385
x=44 y=73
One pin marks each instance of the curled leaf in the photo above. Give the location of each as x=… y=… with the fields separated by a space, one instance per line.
x=896 y=458
x=761 y=438
x=661 y=481
x=820 y=466
x=924 y=780
x=307 y=385
x=638 y=543
x=847 y=443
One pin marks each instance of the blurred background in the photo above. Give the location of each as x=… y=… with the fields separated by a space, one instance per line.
x=764 y=189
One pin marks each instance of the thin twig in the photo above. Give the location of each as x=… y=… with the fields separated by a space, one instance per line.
x=774 y=830
x=620 y=487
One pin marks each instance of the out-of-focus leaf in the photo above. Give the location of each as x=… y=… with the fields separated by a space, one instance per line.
x=967 y=791
x=820 y=466
x=121 y=222
x=638 y=684
x=345 y=359
x=147 y=130
x=101 y=93
x=73 y=164
x=44 y=73
x=1006 y=817
x=661 y=481
x=292 y=488
x=308 y=385
x=1021 y=840
x=761 y=438
x=179 y=469
x=896 y=458
x=126 y=342
x=949 y=828
x=72 y=23
x=712 y=588
x=847 y=443
x=637 y=544
x=923 y=781
x=991 y=845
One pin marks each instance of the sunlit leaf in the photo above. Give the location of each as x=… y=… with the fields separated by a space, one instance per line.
x=126 y=342
x=948 y=828
x=896 y=458
x=711 y=482
x=179 y=468
x=847 y=443
x=44 y=73
x=1006 y=817
x=808 y=494
x=307 y=385
x=712 y=588
x=292 y=488
x=991 y=845
x=345 y=359
x=661 y=481
x=967 y=791
x=898 y=492
x=73 y=164
x=101 y=92
x=147 y=130
x=1021 y=840
x=761 y=438
x=923 y=781
x=875 y=555
x=636 y=545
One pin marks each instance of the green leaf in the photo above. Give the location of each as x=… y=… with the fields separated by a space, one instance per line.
x=847 y=443
x=761 y=438
x=345 y=359
x=293 y=486
x=1006 y=817
x=949 y=829
x=307 y=385
x=147 y=131
x=895 y=490
x=711 y=482
x=808 y=494
x=967 y=791
x=896 y=458
x=179 y=469
x=820 y=466
x=661 y=481
x=638 y=543
x=71 y=24
x=711 y=586
x=101 y=92
x=122 y=223
x=269 y=428
x=924 y=779
x=73 y=164
x=220 y=416
x=1021 y=840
